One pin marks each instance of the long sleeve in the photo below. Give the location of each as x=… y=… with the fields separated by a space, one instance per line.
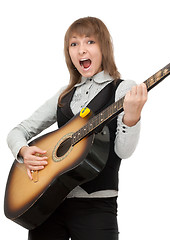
x=126 y=137
x=41 y=119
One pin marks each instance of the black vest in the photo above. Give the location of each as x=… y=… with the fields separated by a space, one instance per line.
x=108 y=177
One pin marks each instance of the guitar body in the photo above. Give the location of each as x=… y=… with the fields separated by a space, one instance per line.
x=29 y=203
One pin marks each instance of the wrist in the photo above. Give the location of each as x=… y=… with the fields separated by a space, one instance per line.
x=22 y=151
x=130 y=121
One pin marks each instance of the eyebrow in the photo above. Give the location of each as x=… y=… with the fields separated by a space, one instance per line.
x=76 y=37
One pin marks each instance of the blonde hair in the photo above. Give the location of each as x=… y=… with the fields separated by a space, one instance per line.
x=89 y=26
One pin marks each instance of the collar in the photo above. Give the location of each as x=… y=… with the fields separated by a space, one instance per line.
x=99 y=78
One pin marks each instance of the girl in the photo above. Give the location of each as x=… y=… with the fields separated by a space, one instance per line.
x=90 y=210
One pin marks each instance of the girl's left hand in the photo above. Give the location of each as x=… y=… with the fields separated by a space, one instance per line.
x=133 y=104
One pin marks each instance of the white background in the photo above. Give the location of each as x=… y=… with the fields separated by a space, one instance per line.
x=32 y=69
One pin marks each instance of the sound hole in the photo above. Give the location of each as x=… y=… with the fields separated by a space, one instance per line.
x=63 y=148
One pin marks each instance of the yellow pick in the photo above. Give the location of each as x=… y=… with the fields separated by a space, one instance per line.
x=84 y=112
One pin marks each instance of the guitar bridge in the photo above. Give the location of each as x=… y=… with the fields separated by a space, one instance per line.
x=34 y=176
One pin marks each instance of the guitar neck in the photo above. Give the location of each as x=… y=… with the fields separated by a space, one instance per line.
x=157 y=77
x=116 y=108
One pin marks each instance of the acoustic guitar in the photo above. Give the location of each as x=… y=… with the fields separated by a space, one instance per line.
x=75 y=156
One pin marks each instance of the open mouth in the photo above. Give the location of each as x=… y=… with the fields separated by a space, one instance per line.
x=85 y=63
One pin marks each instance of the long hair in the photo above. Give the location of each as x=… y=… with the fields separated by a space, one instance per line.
x=89 y=26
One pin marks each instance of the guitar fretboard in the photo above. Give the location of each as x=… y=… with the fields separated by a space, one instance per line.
x=157 y=77
x=117 y=107
x=97 y=120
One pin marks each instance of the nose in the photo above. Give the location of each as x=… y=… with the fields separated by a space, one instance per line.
x=82 y=49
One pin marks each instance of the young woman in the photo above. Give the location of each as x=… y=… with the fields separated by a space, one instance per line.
x=90 y=210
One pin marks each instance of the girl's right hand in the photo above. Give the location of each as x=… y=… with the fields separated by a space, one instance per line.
x=34 y=158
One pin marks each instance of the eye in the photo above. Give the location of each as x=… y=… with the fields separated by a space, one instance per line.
x=73 y=44
x=91 y=42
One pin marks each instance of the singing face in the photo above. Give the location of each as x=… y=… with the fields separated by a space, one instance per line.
x=85 y=54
